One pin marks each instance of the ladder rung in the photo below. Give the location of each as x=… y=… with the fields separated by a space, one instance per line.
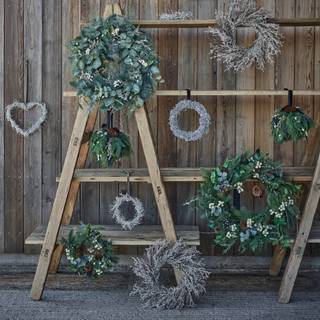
x=314 y=236
x=169 y=174
x=140 y=235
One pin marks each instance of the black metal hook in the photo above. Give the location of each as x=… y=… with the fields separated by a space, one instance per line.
x=128 y=180
x=188 y=93
x=290 y=96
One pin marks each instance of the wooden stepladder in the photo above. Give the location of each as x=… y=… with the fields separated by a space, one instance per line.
x=67 y=190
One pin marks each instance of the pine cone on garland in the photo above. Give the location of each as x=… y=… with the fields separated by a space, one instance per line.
x=289 y=109
x=97 y=255
x=80 y=248
x=112 y=132
x=257 y=191
x=78 y=255
x=216 y=229
x=87 y=268
x=243 y=225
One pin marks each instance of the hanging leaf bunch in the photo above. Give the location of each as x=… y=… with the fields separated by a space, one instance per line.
x=290 y=125
x=107 y=153
x=254 y=229
x=113 y=64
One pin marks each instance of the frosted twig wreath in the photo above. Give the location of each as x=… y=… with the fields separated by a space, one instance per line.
x=118 y=215
x=26 y=106
x=204 y=120
x=179 y=255
x=223 y=36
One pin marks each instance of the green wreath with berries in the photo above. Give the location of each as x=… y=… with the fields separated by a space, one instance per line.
x=113 y=64
x=254 y=230
x=290 y=124
x=110 y=146
x=102 y=258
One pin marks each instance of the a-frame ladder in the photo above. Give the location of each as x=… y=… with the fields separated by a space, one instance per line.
x=67 y=190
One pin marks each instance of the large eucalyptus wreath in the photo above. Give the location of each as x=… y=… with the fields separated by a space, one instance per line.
x=253 y=229
x=113 y=64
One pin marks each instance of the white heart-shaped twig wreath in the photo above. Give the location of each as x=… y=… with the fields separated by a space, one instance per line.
x=26 y=106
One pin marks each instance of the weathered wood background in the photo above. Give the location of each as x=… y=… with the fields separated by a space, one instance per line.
x=36 y=30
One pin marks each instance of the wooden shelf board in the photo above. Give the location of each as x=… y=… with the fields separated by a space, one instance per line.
x=293 y=22
x=223 y=92
x=170 y=174
x=140 y=235
x=314 y=236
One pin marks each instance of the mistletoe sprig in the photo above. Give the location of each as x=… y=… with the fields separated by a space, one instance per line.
x=292 y=126
x=113 y=64
x=254 y=230
x=92 y=266
x=107 y=153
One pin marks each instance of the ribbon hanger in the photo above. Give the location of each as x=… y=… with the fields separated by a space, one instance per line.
x=128 y=180
x=188 y=93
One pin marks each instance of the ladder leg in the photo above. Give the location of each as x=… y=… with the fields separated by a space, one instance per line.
x=73 y=193
x=58 y=206
x=156 y=179
x=297 y=251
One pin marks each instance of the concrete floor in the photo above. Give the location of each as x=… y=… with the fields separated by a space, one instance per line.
x=231 y=294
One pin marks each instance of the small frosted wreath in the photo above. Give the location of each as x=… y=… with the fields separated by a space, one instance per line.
x=204 y=120
x=118 y=215
x=177 y=16
x=223 y=36
x=179 y=255
x=26 y=106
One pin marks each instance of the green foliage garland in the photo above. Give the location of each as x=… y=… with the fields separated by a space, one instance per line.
x=291 y=126
x=113 y=64
x=103 y=258
x=254 y=230
x=117 y=148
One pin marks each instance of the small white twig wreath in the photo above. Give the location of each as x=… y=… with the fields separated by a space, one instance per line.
x=204 y=120
x=118 y=215
x=179 y=255
x=26 y=107
x=223 y=36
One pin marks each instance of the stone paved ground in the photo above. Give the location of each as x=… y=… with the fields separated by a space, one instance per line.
x=236 y=294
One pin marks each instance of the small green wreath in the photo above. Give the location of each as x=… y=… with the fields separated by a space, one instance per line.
x=290 y=124
x=103 y=258
x=113 y=64
x=108 y=152
x=254 y=230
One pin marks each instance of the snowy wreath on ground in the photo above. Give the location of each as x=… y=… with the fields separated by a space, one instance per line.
x=118 y=215
x=254 y=230
x=223 y=37
x=179 y=255
x=26 y=106
x=102 y=259
x=113 y=64
x=204 y=120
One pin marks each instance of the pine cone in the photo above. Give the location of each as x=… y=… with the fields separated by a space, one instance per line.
x=94 y=272
x=87 y=268
x=243 y=225
x=257 y=191
x=79 y=255
x=97 y=255
x=216 y=229
x=112 y=133
x=80 y=248
x=289 y=109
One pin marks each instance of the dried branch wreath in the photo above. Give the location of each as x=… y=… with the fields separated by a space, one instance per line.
x=204 y=120
x=180 y=256
x=224 y=44
x=26 y=106
x=118 y=215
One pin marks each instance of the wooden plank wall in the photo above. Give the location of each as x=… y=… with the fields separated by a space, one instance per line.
x=36 y=31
